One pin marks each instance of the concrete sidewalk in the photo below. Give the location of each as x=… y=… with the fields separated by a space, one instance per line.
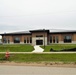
x=38 y=49
x=39 y=52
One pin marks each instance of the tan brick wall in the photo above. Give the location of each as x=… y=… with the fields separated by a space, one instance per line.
x=11 y=37
x=39 y=33
x=34 y=38
x=25 y=36
x=74 y=37
x=8 y=37
x=59 y=36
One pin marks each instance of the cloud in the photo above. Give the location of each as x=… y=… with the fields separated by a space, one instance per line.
x=37 y=14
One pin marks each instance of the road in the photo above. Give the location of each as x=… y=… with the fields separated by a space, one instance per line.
x=35 y=70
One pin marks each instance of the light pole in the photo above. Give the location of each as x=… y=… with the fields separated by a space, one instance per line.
x=44 y=38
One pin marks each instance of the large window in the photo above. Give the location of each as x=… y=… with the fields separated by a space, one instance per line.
x=4 y=40
x=16 y=40
x=67 y=39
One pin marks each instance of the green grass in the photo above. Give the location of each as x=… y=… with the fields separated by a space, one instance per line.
x=42 y=58
x=58 y=47
x=16 y=48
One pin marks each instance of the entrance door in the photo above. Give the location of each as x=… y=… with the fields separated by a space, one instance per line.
x=39 y=42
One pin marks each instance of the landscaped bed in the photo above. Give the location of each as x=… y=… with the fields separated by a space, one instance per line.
x=59 y=47
x=16 y=48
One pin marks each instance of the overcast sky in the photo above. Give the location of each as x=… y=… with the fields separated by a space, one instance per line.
x=25 y=15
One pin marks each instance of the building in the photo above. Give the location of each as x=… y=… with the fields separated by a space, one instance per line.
x=40 y=37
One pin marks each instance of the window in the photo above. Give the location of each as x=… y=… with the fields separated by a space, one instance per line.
x=16 y=40
x=39 y=35
x=24 y=40
x=8 y=41
x=4 y=40
x=50 y=39
x=30 y=39
x=27 y=40
x=56 y=39
x=67 y=39
x=53 y=39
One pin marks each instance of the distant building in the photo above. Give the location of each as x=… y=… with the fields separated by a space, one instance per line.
x=40 y=37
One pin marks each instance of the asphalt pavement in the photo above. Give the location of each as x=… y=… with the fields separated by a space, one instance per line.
x=34 y=70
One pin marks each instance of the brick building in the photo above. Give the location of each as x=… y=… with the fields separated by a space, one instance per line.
x=40 y=37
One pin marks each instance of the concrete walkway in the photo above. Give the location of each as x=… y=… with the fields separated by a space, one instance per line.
x=39 y=52
x=38 y=49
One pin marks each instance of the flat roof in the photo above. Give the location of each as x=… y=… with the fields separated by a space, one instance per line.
x=17 y=33
x=40 y=30
x=63 y=32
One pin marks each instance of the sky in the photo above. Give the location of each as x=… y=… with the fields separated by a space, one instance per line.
x=20 y=15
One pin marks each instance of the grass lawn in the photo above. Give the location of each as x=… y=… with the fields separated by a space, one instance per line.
x=66 y=58
x=58 y=47
x=16 y=48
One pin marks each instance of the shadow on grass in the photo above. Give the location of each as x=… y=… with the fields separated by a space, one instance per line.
x=1 y=59
x=63 y=50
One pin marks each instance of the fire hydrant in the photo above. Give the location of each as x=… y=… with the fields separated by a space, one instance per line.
x=7 y=55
